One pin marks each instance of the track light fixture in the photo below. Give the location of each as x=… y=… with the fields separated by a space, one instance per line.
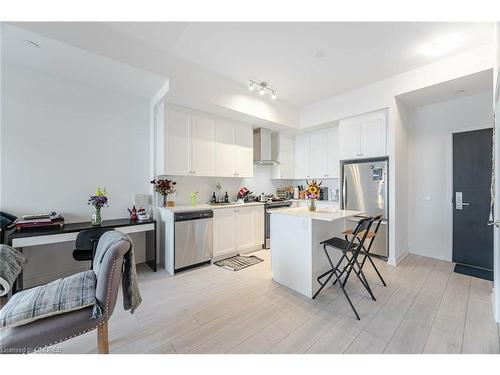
x=263 y=87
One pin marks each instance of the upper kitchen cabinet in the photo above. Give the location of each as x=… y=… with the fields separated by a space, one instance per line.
x=243 y=143
x=332 y=153
x=302 y=156
x=202 y=146
x=233 y=150
x=177 y=143
x=283 y=152
x=363 y=136
x=318 y=147
x=196 y=144
x=316 y=154
x=225 y=150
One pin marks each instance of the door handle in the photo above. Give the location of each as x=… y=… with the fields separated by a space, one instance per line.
x=459 y=203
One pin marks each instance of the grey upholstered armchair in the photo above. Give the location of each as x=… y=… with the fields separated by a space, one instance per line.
x=54 y=329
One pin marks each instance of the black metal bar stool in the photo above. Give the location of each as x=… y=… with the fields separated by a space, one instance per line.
x=351 y=263
x=366 y=251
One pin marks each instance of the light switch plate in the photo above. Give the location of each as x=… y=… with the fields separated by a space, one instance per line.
x=427 y=197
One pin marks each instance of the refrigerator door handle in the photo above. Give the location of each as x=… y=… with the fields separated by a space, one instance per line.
x=344 y=192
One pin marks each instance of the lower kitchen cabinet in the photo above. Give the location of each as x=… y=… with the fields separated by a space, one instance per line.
x=238 y=230
x=224 y=231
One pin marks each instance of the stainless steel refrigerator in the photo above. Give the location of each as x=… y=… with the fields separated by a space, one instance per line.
x=364 y=188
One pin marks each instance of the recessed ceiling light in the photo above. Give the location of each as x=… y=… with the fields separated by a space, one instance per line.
x=442 y=45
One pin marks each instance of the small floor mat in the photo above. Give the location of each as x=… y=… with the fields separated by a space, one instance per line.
x=238 y=262
x=480 y=273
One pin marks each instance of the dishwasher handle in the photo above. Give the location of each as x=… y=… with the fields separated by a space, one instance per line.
x=194 y=215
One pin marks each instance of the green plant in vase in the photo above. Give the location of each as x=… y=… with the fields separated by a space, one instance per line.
x=98 y=201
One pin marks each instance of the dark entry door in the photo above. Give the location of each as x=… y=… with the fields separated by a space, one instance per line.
x=472 y=237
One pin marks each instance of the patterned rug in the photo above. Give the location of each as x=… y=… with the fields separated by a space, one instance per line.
x=238 y=262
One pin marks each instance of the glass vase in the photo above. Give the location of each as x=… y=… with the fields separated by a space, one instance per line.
x=96 y=217
x=312 y=204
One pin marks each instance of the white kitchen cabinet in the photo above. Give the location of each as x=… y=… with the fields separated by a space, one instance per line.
x=349 y=143
x=317 y=155
x=318 y=151
x=177 y=143
x=225 y=150
x=238 y=230
x=196 y=144
x=302 y=157
x=363 y=136
x=233 y=150
x=202 y=146
x=245 y=232
x=283 y=152
x=332 y=153
x=373 y=135
x=224 y=225
x=243 y=143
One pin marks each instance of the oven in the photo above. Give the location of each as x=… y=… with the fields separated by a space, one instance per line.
x=267 y=222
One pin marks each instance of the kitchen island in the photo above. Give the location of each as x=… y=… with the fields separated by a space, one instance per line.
x=297 y=258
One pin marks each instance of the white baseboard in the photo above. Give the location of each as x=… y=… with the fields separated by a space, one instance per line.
x=400 y=258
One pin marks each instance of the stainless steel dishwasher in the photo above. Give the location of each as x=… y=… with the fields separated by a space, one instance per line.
x=193 y=241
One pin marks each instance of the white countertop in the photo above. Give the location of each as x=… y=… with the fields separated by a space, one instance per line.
x=324 y=214
x=206 y=206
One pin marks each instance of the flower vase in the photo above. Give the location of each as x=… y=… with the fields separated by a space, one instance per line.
x=165 y=200
x=96 y=217
x=312 y=204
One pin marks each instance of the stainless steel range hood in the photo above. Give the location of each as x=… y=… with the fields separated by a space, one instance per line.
x=262 y=147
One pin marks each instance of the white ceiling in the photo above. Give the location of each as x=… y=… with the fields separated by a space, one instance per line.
x=76 y=65
x=306 y=61
x=464 y=86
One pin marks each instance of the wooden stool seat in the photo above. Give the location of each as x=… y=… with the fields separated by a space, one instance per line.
x=349 y=232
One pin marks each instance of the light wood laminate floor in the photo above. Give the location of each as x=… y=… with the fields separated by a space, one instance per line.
x=425 y=308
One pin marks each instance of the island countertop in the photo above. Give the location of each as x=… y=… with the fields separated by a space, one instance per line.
x=323 y=214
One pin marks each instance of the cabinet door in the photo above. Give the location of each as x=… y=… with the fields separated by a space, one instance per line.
x=224 y=232
x=202 y=146
x=245 y=229
x=225 y=152
x=243 y=141
x=283 y=145
x=332 y=153
x=349 y=139
x=373 y=135
x=259 y=218
x=286 y=157
x=177 y=143
x=318 y=156
x=302 y=156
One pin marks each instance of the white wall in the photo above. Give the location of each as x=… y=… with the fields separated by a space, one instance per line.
x=61 y=140
x=430 y=169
